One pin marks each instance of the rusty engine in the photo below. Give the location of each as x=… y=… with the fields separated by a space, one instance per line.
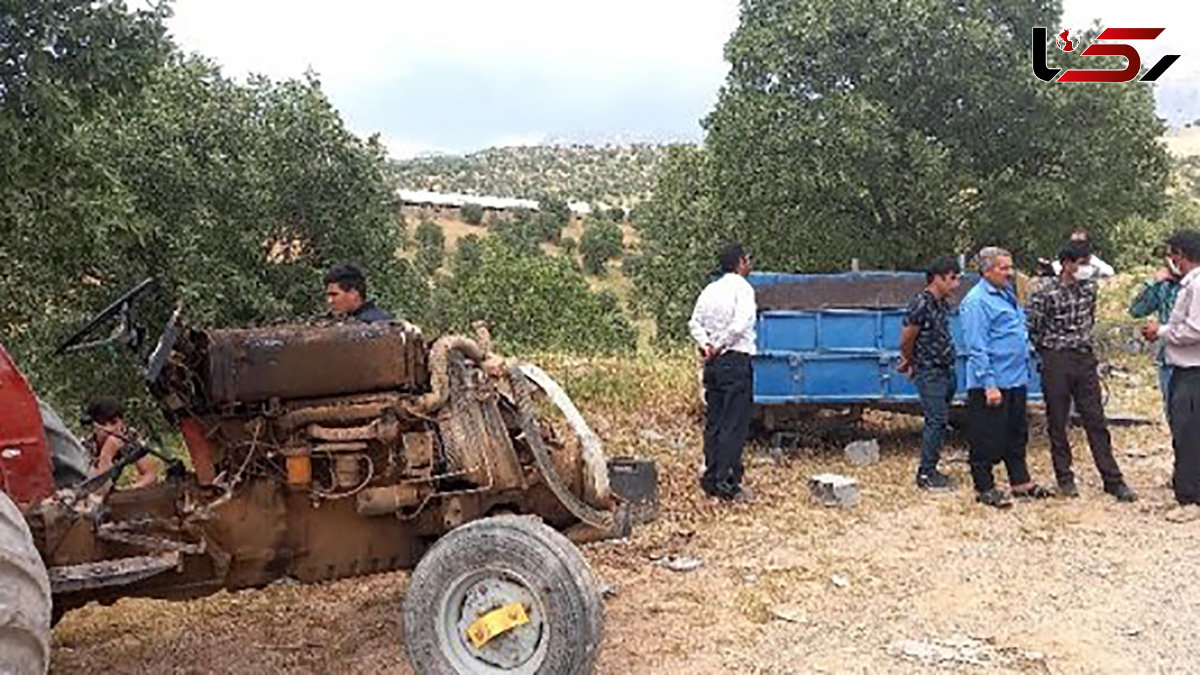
x=334 y=450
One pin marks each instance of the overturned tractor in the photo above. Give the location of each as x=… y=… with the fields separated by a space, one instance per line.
x=320 y=452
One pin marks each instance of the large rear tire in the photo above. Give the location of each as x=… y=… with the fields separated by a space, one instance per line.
x=492 y=563
x=24 y=597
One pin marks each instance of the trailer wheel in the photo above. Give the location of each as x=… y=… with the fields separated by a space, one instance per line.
x=24 y=597
x=473 y=573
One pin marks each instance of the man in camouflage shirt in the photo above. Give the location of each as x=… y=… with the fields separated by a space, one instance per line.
x=1061 y=318
x=927 y=355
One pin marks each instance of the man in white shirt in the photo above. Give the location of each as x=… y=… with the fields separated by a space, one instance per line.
x=1181 y=336
x=722 y=325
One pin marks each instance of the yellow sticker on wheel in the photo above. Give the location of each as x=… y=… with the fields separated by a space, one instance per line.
x=496 y=622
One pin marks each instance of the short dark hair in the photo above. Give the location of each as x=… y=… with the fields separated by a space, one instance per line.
x=1074 y=250
x=942 y=267
x=1187 y=243
x=104 y=410
x=730 y=256
x=348 y=278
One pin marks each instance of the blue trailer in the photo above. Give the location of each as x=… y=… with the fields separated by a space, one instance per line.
x=833 y=341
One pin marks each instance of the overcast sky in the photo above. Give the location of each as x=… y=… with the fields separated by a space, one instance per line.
x=461 y=75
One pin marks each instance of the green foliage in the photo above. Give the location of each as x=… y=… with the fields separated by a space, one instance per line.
x=602 y=240
x=616 y=214
x=431 y=246
x=471 y=213
x=609 y=174
x=568 y=246
x=555 y=208
x=854 y=130
x=682 y=229
x=120 y=162
x=519 y=233
x=546 y=227
x=466 y=254
x=533 y=303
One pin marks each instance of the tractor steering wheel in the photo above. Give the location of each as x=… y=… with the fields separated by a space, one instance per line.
x=119 y=308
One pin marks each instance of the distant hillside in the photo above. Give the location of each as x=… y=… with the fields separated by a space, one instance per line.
x=612 y=175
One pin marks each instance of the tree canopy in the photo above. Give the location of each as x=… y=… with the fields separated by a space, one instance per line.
x=122 y=159
x=892 y=132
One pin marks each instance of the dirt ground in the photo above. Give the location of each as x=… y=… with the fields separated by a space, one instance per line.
x=901 y=582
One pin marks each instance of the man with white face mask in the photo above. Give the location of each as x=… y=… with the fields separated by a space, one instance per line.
x=1156 y=299
x=1094 y=267
x=1062 y=318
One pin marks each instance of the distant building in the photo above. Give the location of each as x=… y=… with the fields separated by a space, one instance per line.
x=427 y=204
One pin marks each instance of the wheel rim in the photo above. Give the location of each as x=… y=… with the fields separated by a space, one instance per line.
x=518 y=651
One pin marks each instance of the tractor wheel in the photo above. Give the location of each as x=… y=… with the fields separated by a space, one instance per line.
x=24 y=597
x=507 y=595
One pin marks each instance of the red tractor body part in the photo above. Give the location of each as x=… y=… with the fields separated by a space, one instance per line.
x=26 y=474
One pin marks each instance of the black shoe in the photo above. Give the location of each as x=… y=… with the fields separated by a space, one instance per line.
x=935 y=482
x=994 y=498
x=1122 y=492
x=1068 y=490
x=1034 y=491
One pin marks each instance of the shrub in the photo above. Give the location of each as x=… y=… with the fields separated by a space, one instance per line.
x=431 y=246
x=534 y=303
x=471 y=213
x=602 y=240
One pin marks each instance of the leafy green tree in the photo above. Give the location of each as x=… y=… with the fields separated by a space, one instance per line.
x=519 y=234
x=892 y=132
x=431 y=246
x=236 y=198
x=616 y=214
x=602 y=241
x=471 y=213
x=556 y=208
x=546 y=227
x=533 y=302
x=466 y=255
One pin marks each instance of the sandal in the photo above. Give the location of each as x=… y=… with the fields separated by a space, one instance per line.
x=1034 y=491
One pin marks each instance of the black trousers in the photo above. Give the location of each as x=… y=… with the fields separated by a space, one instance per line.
x=1068 y=375
x=729 y=396
x=1185 y=433
x=998 y=434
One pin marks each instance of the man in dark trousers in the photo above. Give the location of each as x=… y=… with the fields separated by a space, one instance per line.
x=1062 y=316
x=722 y=325
x=1182 y=338
x=997 y=342
x=927 y=355
x=346 y=296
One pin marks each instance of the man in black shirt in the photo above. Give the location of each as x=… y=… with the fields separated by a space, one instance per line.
x=346 y=295
x=927 y=355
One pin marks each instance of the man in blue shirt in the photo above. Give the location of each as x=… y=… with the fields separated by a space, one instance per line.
x=997 y=343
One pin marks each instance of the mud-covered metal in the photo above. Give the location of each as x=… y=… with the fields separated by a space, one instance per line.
x=853 y=289
x=296 y=362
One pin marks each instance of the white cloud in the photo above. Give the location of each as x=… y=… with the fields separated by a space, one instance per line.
x=359 y=41
x=650 y=63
